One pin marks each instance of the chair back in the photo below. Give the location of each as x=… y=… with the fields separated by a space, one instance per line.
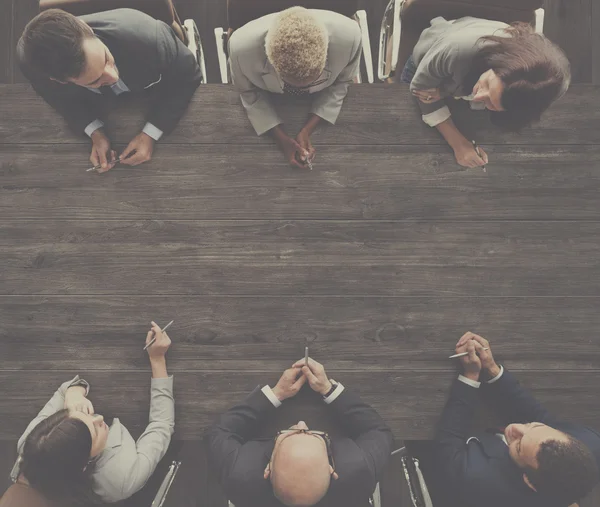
x=240 y=12
x=416 y=15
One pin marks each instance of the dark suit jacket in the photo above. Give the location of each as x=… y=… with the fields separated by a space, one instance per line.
x=149 y=56
x=469 y=473
x=240 y=461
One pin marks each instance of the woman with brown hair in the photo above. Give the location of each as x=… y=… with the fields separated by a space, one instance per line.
x=73 y=458
x=510 y=70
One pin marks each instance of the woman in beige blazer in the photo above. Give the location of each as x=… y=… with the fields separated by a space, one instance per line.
x=509 y=70
x=73 y=457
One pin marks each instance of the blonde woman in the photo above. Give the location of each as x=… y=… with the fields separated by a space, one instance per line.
x=296 y=52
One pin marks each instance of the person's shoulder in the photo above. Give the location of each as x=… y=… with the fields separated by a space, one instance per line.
x=124 y=17
x=250 y=38
x=340 y=27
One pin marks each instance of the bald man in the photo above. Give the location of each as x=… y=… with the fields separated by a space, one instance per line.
x=300 y=466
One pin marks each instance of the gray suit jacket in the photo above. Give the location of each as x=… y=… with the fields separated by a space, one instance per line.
x=125 y=465
x=254 y=76
x=149 y=57
x=444 y=55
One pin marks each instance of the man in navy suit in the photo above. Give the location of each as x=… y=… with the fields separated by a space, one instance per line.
x=537 y=461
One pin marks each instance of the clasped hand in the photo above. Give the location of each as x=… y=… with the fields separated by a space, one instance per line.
x=295 y=377
x=478 y=358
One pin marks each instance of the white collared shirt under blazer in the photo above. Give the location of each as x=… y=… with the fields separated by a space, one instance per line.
x=125 y=465
x=254 y=76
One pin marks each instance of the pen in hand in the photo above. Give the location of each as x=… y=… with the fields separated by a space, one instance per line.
x=478 y=151
x=99 y=166
x=306 y=356
x=463 y=354
x=162 y=331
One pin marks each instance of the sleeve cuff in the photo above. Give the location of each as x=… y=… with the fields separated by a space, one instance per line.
x=80 y=382
x=92 y=127
x=162 y=382
x=437 y=117
x=153 y=131
x=497 y=377
x=268 y=392
x=469 y=382
x=334 y=395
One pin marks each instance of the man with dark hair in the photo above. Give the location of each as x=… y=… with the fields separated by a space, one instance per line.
x=536 y=461
x=76 y=63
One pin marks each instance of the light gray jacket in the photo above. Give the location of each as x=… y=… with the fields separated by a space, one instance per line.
x=124 y=466
x=254 y=76
x=444 y=55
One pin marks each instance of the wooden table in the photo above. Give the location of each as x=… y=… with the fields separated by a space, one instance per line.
x=379 y=259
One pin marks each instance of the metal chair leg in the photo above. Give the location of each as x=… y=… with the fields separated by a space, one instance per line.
x=195 y=45
x=220 y=36
x=389 y=40
x=361 y=19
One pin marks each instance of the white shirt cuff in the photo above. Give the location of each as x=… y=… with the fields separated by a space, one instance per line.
x=497 y=377
x=154 y=132
x=437 y=117
x=268 y=392
x=469 y=382
x=334 y=395
x=92 y=127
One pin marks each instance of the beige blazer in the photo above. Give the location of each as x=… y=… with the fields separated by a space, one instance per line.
x=254 y=76
x=125 y=465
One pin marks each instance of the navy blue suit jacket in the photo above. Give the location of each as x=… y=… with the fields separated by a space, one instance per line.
x=481 y=471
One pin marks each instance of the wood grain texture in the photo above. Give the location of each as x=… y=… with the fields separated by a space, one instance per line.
x=568 y=24
x=410 y=402
x=299 y=258
x=365 y=182
x=269 y=333
x=378 y=114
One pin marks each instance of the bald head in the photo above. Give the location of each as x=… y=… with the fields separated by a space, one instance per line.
x=300 y=470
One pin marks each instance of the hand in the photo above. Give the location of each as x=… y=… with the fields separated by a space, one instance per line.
x=292 y=150
x=315 y=374
x=428 y=96
x=159 y=348
x=101 y=152
x=303 y=139
x=467 y=156
x=75 y=400
x=289 y=384
x=139 y=150
x=471 y=363
x=487 y=359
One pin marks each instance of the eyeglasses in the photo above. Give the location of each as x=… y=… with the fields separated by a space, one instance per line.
x=306 y=87
x=320 y=434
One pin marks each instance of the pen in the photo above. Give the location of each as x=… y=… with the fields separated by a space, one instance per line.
x=306 y=356
x=162 y=331
x=478 y=151
x=99 y=166
x=462 y=354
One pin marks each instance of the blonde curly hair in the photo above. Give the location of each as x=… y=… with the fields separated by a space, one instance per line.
x=297 y=45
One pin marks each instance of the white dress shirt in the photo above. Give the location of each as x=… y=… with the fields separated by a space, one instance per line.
x=268 y=392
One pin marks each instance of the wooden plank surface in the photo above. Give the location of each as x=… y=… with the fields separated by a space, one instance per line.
x=269 y=333
x=378 y=114
x=241 y=182
x=299 y=258
x=568 y=24
x=595 y=22
x=410 y=402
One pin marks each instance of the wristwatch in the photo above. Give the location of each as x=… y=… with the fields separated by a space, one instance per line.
x=330 y=392
x=81 y=383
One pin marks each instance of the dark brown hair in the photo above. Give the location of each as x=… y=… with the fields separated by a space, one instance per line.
x=535 y=72
x=55 y=460
x=52 y=44
x=566 y=471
